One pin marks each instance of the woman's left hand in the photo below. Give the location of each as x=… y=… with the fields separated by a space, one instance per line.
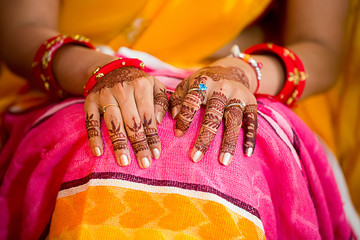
x=226 y=88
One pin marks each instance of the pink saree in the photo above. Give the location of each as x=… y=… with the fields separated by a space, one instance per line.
x=52 y=185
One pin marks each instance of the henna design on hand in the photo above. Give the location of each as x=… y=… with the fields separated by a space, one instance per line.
x=160 y=99
x=192 y=102
x=138 y=139
x=136 y=127
x=211 y=122
x=176 y=98
x=118 y=139
x=217 y=73
x=151 y=134
x=119 y=75
x=138 y=142
x=250 y=125
x=233 y=120
x=92 y=126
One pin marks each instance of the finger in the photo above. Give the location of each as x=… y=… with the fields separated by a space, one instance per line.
x=233 y=120
x=212 y=119
x=250 y=128
x=161 y=103
x=138 y=141
x=146 y=111
x=131 y=116
x=115 y=125
x=92 y=123
x=176 y=99
x=191 y=104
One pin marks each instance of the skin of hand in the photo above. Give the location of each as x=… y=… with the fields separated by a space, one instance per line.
x=229 y=82
x=134 y=103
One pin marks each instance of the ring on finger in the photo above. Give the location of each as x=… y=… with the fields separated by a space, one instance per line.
x=202 y=87
x=241 y=105
x=108 y=105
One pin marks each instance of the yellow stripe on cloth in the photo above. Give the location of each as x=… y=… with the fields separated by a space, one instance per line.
x=114 y=212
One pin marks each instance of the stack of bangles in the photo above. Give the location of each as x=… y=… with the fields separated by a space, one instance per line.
x=295 y=76
x=42 y=65
x=294 y=69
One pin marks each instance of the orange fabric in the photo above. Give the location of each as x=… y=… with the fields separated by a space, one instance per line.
x=119 y=214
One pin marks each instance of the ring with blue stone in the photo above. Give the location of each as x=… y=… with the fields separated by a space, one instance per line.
x=202 y=87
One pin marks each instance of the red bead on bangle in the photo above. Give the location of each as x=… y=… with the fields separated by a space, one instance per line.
x=102 y=71
x=42 y=63
x=294 y=69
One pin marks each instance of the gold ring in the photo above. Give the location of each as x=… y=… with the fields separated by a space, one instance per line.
x=108 y=105
x=241 y=105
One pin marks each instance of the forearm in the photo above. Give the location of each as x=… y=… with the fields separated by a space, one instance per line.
x=19 y=45
x=72 y=64
x=321 y=65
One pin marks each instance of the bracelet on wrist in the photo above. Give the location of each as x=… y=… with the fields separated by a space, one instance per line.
x=100 y=72
x=235 y=52
x=295 y=75
x=42 y=63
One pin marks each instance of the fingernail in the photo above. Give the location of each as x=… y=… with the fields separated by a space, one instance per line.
x=174 y=112
x=158 y=118
x=145 y=162
x=226 y=159
x=156 y=153
x=124 y=160
x=249 y=151
x=97 y=151
x=178 y=133
x=197 y=156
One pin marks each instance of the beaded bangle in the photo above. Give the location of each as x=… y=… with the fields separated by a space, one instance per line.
x=102 y=71
x=42 y=63
x=295 y=72
x=235 y=52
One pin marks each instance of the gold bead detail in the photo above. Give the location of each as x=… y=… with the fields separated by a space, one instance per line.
x=96 y=70
x=98 y=76
x=47 y=86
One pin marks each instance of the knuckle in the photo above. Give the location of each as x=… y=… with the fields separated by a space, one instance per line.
x=143 y=83
x=226 y=85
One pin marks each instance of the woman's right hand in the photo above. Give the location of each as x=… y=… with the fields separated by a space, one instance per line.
x=132 y=103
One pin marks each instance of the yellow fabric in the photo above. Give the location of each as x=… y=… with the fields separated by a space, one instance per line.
x=104 y=212
x=348 y=115
x=177 y=32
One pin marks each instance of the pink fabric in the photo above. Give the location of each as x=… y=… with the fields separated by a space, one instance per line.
x=288 y=179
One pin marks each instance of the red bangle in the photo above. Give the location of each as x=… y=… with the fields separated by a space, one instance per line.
x=295 y=72
x=102 y=71
x=42 y=63
x=235 y=52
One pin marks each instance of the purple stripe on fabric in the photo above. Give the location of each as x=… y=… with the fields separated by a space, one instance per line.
x=155 y=182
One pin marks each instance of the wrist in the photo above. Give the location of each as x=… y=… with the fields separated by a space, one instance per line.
x=249 y=72
x=245 y=67
x=42 y=64
x=73 y=65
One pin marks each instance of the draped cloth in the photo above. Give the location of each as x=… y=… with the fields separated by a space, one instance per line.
x=286 y=190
